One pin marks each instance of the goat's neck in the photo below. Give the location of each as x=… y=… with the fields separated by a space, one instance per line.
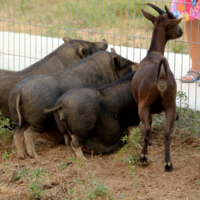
x=158 y=41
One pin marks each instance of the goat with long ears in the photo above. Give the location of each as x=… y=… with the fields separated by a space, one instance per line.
x=156 y=86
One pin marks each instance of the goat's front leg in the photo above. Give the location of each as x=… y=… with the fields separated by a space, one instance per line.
x=170 y=116
x=145 y=118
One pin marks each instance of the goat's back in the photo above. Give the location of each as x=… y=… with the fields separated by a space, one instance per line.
x=145 y=83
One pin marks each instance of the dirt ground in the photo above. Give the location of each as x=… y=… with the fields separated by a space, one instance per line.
x=150 y=182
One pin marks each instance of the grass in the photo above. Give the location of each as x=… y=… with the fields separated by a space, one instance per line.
x=189 y=120
x=62 y=166
x=132 y=147
x=7 y=155
x=6 y=134
x=118 y=21
x=78 y=161
x=90 y=189
x=33 y=178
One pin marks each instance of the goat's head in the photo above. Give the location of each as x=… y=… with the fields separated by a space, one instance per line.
x=165 y=20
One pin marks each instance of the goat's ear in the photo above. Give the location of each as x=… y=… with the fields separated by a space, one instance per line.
x=115 y=62
x=67 y=39
x=112 y=50
x=174 y=22
x=148 y=16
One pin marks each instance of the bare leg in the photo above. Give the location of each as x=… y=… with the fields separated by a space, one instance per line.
x=30 y=135
x=193 y=37
x=67 y=144
x=19 y=142
x=170 y=116
x=145 y=119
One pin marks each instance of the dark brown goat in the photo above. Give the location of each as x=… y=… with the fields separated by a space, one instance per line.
x=156 y=86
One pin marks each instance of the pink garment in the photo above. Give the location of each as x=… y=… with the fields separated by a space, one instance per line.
x=188 y=9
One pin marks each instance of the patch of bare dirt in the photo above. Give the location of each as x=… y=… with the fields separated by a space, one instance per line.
x=151 y=182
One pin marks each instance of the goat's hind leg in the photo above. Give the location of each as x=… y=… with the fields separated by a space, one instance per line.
x=171 y=117
x=145 y=118
x=151 y=138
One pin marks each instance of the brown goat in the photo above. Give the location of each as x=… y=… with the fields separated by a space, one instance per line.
x=156 y=86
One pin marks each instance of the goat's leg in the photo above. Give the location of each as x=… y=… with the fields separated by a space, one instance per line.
x=70 y=152
x=151 y=138
x=170 y=116
x=145 y=119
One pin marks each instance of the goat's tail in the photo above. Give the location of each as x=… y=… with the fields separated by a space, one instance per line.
x=52 y=109
x=162 y=77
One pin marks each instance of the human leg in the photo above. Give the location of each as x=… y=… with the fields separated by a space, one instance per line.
x=192 y=34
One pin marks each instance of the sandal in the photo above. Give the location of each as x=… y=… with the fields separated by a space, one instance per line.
x=190 y=74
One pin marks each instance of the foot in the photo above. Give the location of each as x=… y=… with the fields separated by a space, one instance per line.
x=143 y=159
x=168 y=167
x=190 y=77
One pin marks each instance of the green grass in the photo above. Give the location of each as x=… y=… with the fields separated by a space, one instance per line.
x=77 y=161
x=90 y=189
x=132 y=147
x=189 y=120
x=62 y=166
x=6 y=134
x=90 y=14
x=7 y=155
x=33 y=178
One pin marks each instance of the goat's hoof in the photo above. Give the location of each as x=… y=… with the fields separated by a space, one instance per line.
x=168 y=167
x=143 y=159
